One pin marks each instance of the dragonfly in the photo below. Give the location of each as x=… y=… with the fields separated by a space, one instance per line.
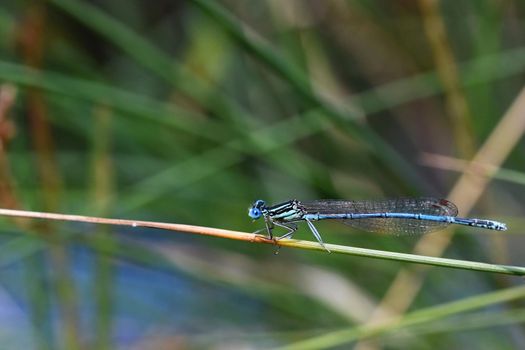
x=408 y=216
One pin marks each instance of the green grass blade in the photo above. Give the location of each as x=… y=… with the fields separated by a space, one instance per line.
x=338 y=338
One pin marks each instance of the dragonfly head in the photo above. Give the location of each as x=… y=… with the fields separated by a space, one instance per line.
x=256 y=210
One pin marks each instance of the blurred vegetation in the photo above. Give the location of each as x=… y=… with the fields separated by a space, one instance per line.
x=187 y=111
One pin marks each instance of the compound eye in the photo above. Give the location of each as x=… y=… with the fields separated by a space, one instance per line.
x=254 y=213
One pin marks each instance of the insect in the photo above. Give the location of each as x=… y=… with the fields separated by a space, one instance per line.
x=412 y=216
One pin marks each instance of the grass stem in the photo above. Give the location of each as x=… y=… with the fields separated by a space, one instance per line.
x=292 y=243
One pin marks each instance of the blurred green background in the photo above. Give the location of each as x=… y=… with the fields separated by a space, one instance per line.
x=187 y=111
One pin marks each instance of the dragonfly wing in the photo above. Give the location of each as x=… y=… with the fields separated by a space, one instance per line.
x=422 y=205
x=396 y=226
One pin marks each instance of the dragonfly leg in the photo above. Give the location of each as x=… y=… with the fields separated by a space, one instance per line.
x=291 y=227
x=316 y=234
x=259 y=231
x=269 y=227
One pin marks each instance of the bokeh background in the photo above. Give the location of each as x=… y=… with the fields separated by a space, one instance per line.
x=187 y=111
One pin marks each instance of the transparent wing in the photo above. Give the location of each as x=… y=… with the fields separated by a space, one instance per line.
x=422 y=205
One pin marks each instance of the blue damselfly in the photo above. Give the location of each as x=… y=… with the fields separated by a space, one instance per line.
x=412 y=216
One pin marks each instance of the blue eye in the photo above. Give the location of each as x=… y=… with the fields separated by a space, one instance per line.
x=254 y=213
x=256 y=210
